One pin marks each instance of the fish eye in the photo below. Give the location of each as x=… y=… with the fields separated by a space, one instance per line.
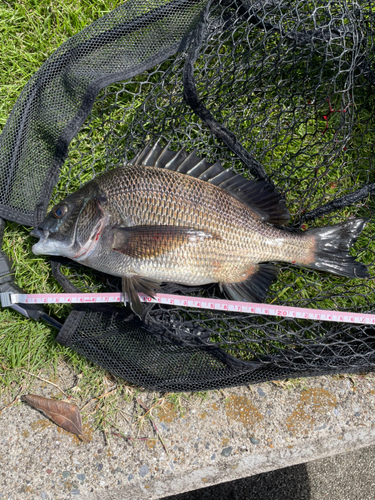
x=60 y=211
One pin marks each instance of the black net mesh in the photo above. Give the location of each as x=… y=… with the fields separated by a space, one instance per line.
x=279 y=91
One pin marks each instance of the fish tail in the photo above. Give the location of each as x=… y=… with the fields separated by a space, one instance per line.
x=331 y=247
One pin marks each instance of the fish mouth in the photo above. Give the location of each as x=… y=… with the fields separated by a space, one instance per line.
x=42 y=234
x=44 y=246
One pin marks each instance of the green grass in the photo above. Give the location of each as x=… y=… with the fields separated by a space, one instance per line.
x=294 y=147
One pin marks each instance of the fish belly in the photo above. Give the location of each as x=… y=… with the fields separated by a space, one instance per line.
x=224 y=261
x=229 y=259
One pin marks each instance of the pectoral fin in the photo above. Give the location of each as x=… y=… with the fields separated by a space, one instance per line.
x=131 y=285
x=150 y=241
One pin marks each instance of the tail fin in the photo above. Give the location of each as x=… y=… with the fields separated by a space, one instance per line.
x=332 y=244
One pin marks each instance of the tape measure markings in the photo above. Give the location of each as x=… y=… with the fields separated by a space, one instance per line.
x=8 y=299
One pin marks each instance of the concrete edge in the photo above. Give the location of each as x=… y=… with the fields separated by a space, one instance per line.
x=231 y=470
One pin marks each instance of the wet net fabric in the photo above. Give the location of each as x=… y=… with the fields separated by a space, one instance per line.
x=278 y=91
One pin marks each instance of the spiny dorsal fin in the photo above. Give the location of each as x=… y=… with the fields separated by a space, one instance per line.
x=259 y=196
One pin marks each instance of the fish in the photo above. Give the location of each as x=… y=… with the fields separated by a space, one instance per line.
x=173 y=217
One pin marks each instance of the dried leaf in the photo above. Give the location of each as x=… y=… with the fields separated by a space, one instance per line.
x=66 y=415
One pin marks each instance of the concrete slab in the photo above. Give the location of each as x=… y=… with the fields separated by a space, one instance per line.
x=228 y=435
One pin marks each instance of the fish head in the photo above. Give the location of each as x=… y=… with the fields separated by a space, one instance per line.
x=73 y=225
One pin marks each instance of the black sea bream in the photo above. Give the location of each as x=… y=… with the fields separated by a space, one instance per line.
x=172 y=217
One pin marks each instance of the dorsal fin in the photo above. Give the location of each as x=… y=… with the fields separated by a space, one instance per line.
x=259 y=196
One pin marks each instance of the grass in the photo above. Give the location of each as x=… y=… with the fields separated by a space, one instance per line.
x=302 y=144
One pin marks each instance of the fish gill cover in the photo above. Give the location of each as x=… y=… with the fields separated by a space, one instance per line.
x=280 y=92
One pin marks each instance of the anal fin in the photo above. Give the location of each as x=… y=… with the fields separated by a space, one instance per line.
x=131 y=285
x=255 y=287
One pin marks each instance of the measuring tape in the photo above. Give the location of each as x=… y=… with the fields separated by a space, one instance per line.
x=8 y=299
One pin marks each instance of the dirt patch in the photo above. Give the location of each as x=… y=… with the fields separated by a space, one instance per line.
x=319 y=399
x=299 y=422
x=241 y=409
